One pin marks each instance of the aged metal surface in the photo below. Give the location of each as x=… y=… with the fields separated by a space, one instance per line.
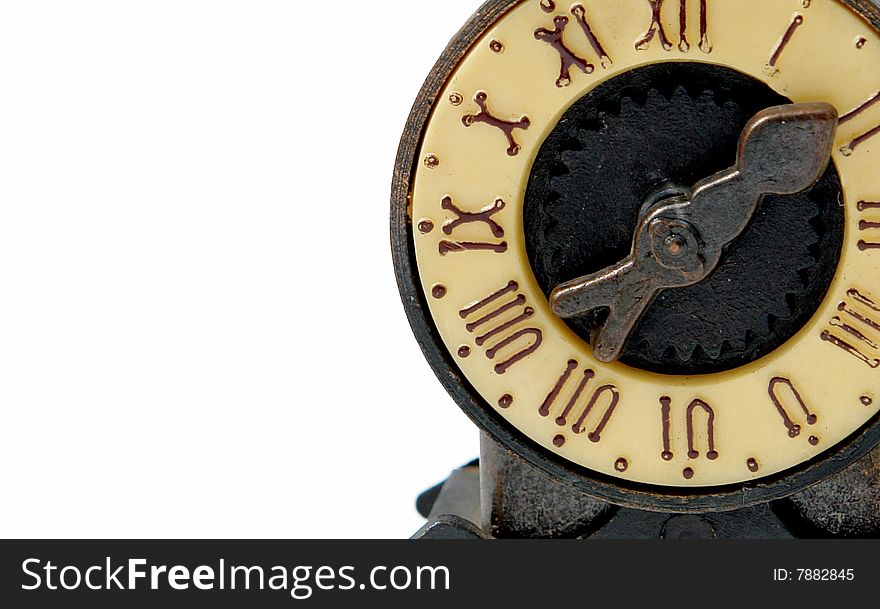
x=757 y=522
x=454 y=509
x=844 y=506
x=519 y=501
x=680 y=238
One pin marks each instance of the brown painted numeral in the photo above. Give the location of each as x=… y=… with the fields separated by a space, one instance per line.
x=499 y=323
x=579 y=408
x=699 y=416
x=657 y=29
x=484 y=216
x=705 y=45
x=856 y=328
x=693 y=408
x=507 y=127
x=849 y=148
x=782 y=392
x=452 y=247
x=869 y=225
x=580 y=13
x=463 y=217
x=771 y=68
x=568 y=58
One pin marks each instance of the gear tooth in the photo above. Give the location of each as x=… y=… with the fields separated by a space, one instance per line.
x=817 y=223
x=562 y=169
x=691 y=351
x=551 y=222
x=734 y=344
x=714 y=351
x=821 y=229
x=628 y=106
x=656 y=97
x=603 y=125
x=681 y=93
x=572 y=143
x=727 y=346
x=568 y=157
x=791 y=302
x=780 y=311
x=586 y=134
x=709 y=96
x=553 y=210
x=729 y=107
x=641 y=344
x=701 y=352
x=629 y=99
x=805 y=276
x=590 y=125
x=680 y=352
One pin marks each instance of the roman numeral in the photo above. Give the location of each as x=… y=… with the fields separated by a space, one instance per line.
x=699 y=422
x=498 y=321
x=657 y=29
x=585 y=403
x=568 y=58
x=507 y=127
x=772 y=64
x=869 y=225
x=855 y=329
x=862 y=136
x=481 y=217
x=790 y=405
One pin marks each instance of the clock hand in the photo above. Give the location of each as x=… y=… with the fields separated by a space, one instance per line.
x=680 y=238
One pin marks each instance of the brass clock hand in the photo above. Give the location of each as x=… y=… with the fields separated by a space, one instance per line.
x=679 y=240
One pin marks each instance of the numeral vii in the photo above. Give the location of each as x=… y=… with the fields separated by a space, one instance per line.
x=582 y=402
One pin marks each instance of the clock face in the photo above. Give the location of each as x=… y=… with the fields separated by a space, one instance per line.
x=550 y=128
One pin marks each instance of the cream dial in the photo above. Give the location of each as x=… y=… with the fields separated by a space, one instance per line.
x=468 y=192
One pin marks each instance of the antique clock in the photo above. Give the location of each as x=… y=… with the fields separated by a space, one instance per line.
x=639 y=243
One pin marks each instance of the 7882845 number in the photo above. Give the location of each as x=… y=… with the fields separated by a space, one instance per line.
x=826 y=575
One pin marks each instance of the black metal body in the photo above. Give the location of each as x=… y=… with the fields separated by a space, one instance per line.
x=503 y=497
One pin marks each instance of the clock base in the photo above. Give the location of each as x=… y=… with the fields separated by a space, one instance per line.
x=501 y=496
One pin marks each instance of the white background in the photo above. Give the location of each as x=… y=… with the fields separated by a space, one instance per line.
x=200 y=331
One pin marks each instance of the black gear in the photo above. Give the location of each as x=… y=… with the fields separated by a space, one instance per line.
x=679 y=123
